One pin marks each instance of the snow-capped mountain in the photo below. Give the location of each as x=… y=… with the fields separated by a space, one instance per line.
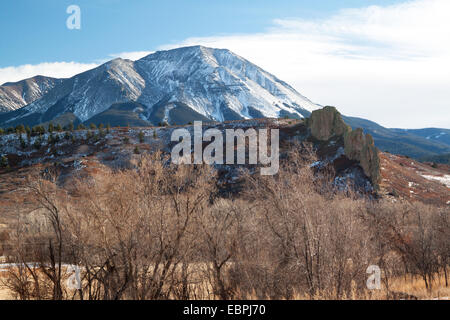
x=176 y=86
x=15 y=95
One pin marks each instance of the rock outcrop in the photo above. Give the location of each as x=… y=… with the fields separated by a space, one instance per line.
x=361 y=147
x=327 y=123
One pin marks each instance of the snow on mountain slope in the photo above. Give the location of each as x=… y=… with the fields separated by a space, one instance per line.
x=15 y=95
x=214 y=83
x=98 y=89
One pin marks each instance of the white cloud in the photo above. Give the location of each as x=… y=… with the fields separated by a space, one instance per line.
x=388 y=64
x=49 y=69
x=60 y=69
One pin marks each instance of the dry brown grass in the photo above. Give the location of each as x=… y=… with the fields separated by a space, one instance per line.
x=5 y=293
x=399 y=289
x=414 y=285
x=161 y=232
x=202 y=289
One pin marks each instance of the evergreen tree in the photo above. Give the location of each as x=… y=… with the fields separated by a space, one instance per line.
x=38 y=143
x=101 y=132
x=37 y=130
x=141 y=137
x=23 y=144
x=20 y=129
x=3 y=162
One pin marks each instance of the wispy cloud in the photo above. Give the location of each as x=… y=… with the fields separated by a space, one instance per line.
x=389 y=64
x=49 y=69
x=61 y=69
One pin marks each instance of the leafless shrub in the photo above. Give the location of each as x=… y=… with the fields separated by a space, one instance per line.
x=157 y=231
x=418 y=233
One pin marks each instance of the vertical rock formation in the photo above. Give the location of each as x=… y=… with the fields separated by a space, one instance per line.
x=327 y=123
x=361 y=147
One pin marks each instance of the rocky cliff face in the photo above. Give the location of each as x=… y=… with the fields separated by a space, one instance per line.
x=327 y=123
x=361 y=147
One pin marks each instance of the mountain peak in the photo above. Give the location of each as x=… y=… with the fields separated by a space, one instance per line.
x=36 y=78
x=195 y=82
x=191 y=51
x=15 y=95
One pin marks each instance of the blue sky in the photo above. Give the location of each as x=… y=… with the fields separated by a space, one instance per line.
x=383 y=60
x=35 y=31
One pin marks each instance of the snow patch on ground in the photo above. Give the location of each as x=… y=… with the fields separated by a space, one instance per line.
x=445 y=179
x=412 y=184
